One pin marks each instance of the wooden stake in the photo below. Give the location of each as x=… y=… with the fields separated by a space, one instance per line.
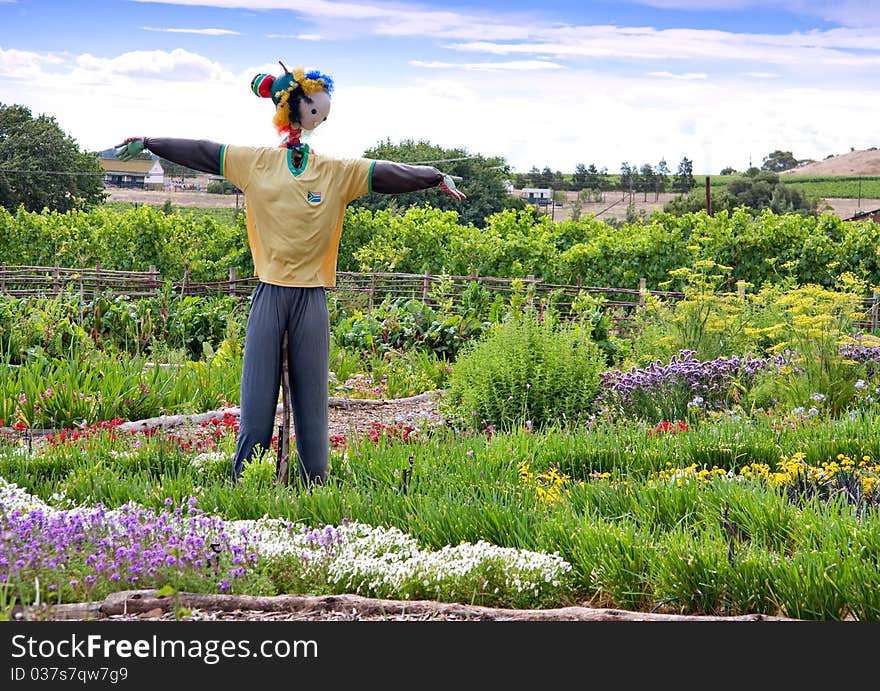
x=282 y=475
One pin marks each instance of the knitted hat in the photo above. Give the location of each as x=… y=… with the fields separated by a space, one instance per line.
x=287 y=91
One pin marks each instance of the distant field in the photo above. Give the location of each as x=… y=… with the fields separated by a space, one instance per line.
x=821 y=186
x=840 y=187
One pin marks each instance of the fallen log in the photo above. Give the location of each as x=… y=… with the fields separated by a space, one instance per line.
x=139 y=602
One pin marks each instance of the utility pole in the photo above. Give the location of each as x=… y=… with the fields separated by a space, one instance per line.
x=708 y=195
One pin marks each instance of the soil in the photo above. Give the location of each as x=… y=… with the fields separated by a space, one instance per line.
x=347 y=417
x=865 y=162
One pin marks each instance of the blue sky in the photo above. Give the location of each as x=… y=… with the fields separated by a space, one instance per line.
x=545 y=83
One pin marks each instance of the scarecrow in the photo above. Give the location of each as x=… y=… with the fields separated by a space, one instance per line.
x=295 y=207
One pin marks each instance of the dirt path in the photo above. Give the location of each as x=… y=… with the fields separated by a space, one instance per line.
x=347 y=416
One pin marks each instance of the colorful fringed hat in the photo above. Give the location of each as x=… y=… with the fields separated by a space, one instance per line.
x=288 y=90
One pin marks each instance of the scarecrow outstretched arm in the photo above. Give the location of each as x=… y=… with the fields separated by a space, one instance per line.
x=198 y=154
x=395 y=178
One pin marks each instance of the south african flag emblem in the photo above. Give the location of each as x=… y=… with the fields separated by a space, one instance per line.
x=314 y=197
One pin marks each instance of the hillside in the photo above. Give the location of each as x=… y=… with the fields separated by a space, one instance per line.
x=865 y=162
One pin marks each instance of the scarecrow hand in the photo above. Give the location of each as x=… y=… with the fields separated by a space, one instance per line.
x=130 y=148
x=447 y=184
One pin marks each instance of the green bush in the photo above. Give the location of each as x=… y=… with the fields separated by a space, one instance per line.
x=527 y=369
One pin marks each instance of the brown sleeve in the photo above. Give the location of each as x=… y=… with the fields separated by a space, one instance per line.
x=198 y=154
x=395 y=178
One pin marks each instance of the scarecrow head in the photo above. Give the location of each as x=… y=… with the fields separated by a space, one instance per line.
x=302 y=100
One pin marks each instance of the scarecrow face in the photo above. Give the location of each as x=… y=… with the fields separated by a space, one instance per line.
x=313 y=114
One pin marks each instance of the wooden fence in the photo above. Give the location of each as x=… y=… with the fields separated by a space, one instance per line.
x=23 y=281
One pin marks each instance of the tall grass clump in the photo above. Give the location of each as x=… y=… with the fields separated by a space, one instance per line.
x=529 y=369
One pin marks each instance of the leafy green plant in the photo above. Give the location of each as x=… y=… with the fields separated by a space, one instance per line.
x=526 y=370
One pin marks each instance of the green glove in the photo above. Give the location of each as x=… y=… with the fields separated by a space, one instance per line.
x=130 y=148
x=448 y=186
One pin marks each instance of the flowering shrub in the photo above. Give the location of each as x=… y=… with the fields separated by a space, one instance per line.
x=384 y=562
x=85 y=553
x=681 y=387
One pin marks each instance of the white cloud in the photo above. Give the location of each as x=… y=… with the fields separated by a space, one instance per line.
x=25 y=64
x=389 y=19
x=513 y=66
x=709 y=46
x=178 y=65
x=200 y=32
x=685 y=76
x=297 y=37
x=858 y=13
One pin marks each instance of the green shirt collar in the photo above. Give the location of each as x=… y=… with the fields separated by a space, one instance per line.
x=305 y=159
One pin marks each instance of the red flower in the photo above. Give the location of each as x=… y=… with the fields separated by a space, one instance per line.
x=666 y=427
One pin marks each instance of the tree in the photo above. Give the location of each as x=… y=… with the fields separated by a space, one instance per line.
x=684 y=179
x=592 y=180
x=647 y=179
x=482 y=181
x=533 y=177
x=661 y=174
x=779 y=161
x=42 y=167
x=729 y=170
x=756 y=192
x=579 y=177
x=627 y=178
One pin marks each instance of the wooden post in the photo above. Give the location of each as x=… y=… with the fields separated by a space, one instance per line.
x=741 y=288
x=3 y=279
x=154 y=279
x=233 y=274
x=185 y=284
x=55 y=280
x=708 y=195
x=426 y=285
x=875 y=313
x=282 y=474
x=642 y=291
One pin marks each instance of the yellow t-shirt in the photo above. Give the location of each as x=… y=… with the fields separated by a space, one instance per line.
x=295 y=215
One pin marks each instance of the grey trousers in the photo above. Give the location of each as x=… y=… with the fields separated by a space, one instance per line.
x=303 y=313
